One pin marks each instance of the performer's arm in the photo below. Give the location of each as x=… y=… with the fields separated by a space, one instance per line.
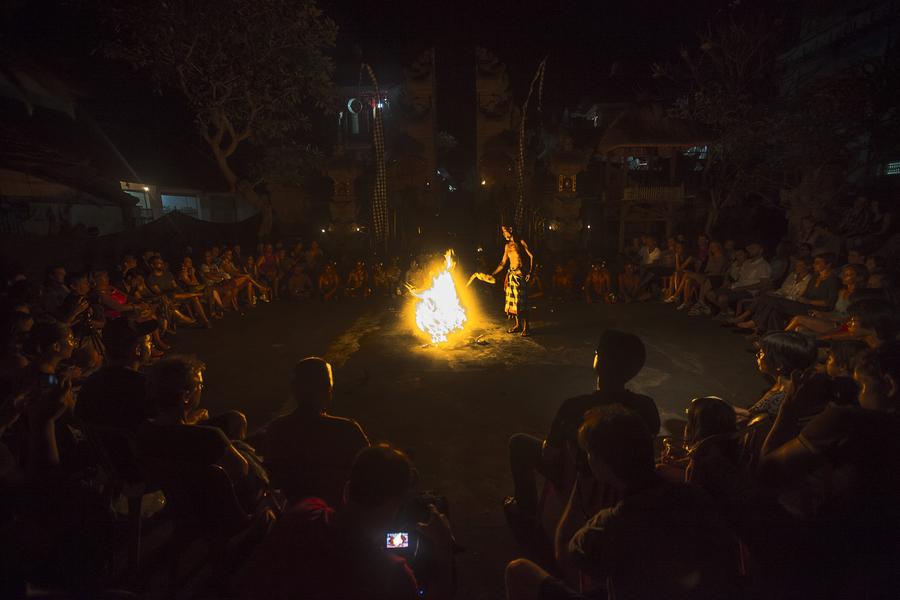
x=502 y=262
x=530 y=257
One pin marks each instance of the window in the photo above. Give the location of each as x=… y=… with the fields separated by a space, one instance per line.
x=892 y=168
x=142 y=197
x=185 y=204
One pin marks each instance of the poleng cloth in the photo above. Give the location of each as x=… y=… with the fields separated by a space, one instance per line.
x=516 y=294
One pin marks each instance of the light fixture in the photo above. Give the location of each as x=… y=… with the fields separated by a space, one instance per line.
x=589 y=226
x=357 y=229
x=484 y=182
x=323 y=231
x=146 y=189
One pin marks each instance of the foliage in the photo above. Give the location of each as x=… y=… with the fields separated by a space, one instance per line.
x=792 y=146
x=726 y=83
x=251 y=70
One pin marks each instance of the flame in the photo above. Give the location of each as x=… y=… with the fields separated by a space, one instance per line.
x=438 y=311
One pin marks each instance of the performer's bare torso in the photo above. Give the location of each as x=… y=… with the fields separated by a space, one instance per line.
x=512 y=254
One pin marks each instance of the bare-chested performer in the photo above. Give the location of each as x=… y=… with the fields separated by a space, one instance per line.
x=517 y=281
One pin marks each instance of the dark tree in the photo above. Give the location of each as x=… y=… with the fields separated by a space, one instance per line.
x=250 y=70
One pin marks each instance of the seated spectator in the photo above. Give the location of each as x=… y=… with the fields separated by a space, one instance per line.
x=662 y=540
x=121 y=271
x=853 y=278
x=318 y=552
x=711 y=274
x=315 y=258
x=734 y=261
x=650 y=253
x=773 y=313
x=857 y=219
x=357 y=285
x=561 y=283
x=114 y=302
x=630 y=285
x=780 y=355
x=793 y=287
x=187 y=278
x=618 y=359
x=683 y=264
x=598 y=284
x=312 y=449
x=240 y=280
x=754 y=276
x=267 y=267
x=329 y=283
x=162 y=283
x=53 y=344
x=873 y=321
x=380 y=285
x=300 y=286
x=174 y=387
x=710 y=456
x=54 y=289
x=848 y=461
x=116 y=395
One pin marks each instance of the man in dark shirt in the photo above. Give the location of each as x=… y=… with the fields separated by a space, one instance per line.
x=162 y=283
x=175 y=436
x=319 y=553
x=116 y=395
x=662 y=540
x=618 y=359
x=309 y=452
x=848 y=460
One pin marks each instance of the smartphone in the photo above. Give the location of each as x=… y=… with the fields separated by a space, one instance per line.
x=397 y=539
x=48 y=379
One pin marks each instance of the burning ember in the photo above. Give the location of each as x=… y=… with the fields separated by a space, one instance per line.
x=438 y=310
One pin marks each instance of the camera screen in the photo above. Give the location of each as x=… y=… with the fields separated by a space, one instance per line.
x=398 y=539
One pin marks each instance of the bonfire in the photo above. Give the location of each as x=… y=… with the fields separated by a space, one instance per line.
x=438 y=309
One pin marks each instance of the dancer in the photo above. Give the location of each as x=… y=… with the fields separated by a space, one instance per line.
x=517 y=280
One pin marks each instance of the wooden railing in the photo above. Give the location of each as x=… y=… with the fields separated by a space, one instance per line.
x=654 y=193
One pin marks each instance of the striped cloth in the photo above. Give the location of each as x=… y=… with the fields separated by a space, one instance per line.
x=516 y=294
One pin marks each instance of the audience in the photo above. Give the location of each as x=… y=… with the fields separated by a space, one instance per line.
x=795 y=495
x=661 y=540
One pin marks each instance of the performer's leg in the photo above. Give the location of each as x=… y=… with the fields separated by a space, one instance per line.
x=515 y=328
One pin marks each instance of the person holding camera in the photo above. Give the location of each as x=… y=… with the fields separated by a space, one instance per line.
x=317 y=552
x=618 y=359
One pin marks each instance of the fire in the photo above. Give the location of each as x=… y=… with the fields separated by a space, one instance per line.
x=439 y=311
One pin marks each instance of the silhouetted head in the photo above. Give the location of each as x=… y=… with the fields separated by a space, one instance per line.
x=618 y=358
x=312 y=385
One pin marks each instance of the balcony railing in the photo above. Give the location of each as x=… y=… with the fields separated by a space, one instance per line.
x=661 y=194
